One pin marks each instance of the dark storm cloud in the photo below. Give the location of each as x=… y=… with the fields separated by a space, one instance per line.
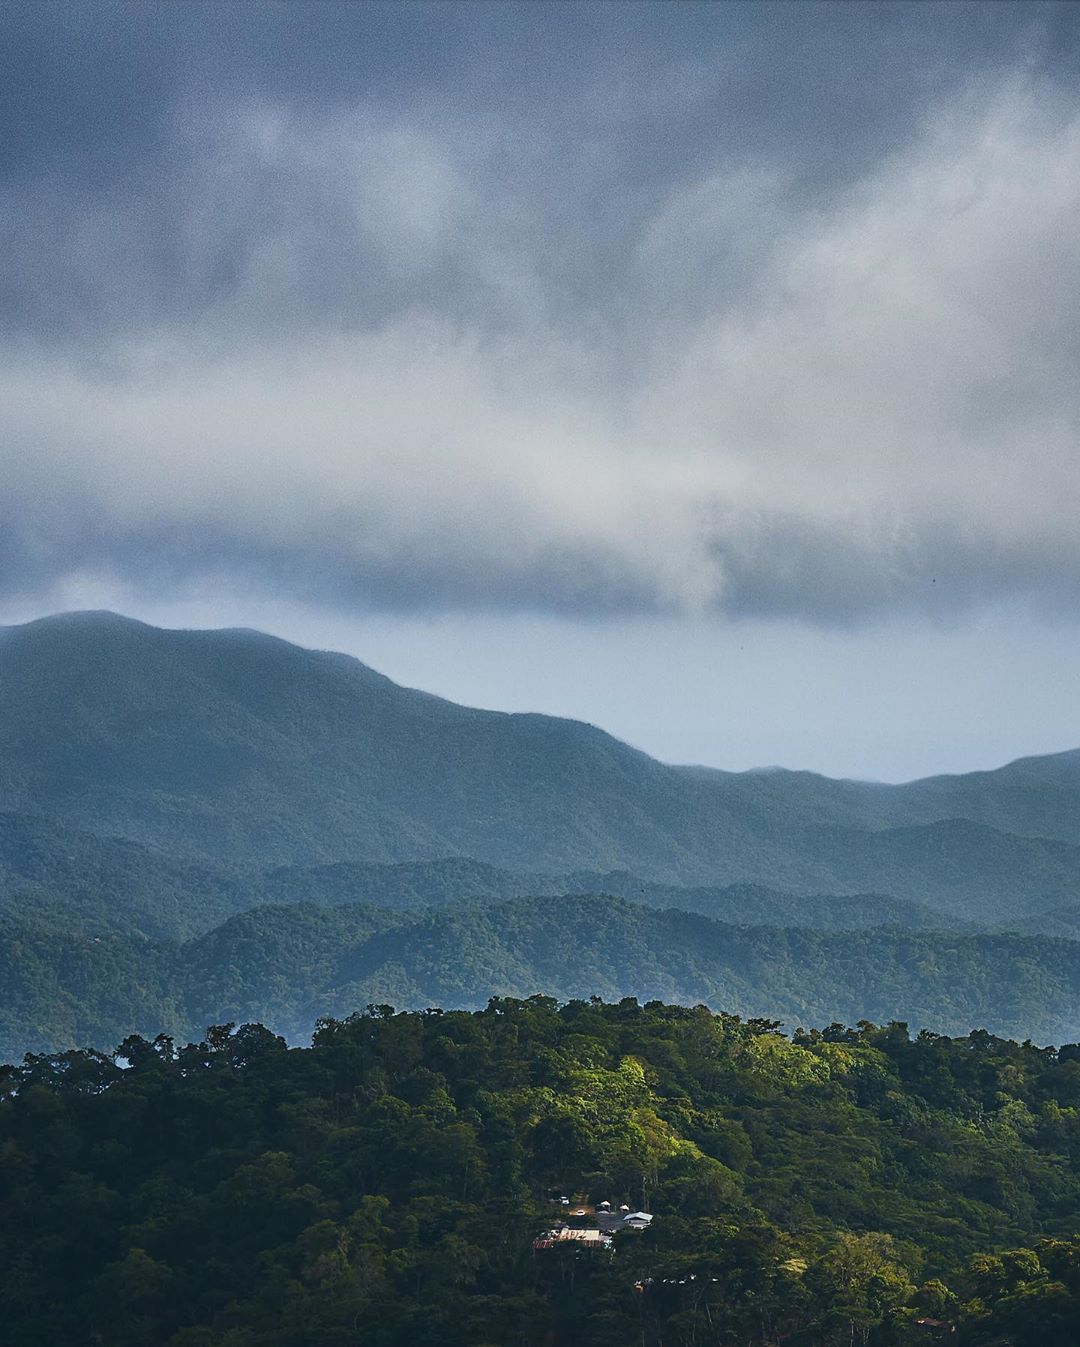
x=160 y=563
x=132 y=134
x=601 y=308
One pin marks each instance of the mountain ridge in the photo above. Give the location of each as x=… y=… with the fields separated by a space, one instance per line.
x=237 y=747
x=286 y=966
x=192 y=822
x=80 y=881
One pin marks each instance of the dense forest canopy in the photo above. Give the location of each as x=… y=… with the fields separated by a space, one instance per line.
x=284 y=966
x=385 y=1185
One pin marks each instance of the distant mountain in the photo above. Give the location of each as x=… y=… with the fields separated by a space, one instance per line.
x=286 y=966
x=755 y=905
x=79 y=883
x=1034 y=797
x=1061 y=921
x=204 y=826
x=582 y=945
x=238 y=749
x=410 y=886
x=59 y=988
x=960 y=868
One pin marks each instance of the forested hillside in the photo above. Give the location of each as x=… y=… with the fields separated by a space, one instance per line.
x=78 y=882
x=240 y=748
x=386 y=1185
x=197 y=826
x=286 y=966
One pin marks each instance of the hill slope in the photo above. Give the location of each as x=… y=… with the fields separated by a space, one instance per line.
x=387 y=1184
x=79 y=883
x=237 y=748
x=287 y=966
x=581 y=945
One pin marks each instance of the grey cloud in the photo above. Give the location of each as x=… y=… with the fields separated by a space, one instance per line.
x=166 y=163
x=842 y=576
x=776 y=567
x=600 y=347
x=60 y=556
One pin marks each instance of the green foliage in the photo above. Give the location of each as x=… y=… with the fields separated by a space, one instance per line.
x=220 y=828
x=288 y=965
x=384 y=1186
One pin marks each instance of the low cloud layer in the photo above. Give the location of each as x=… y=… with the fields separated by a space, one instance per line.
x=430 y=353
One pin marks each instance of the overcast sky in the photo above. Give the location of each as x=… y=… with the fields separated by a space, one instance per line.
x=709 y=372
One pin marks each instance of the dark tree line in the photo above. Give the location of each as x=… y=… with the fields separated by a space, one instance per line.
x=383 y=1187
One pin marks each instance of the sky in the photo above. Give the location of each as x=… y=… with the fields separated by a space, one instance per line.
x=705 y=371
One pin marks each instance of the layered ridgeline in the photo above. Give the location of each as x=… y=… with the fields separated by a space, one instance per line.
x=237 y=747
x=155 y=786
x=80 y=882
x=287 y=966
